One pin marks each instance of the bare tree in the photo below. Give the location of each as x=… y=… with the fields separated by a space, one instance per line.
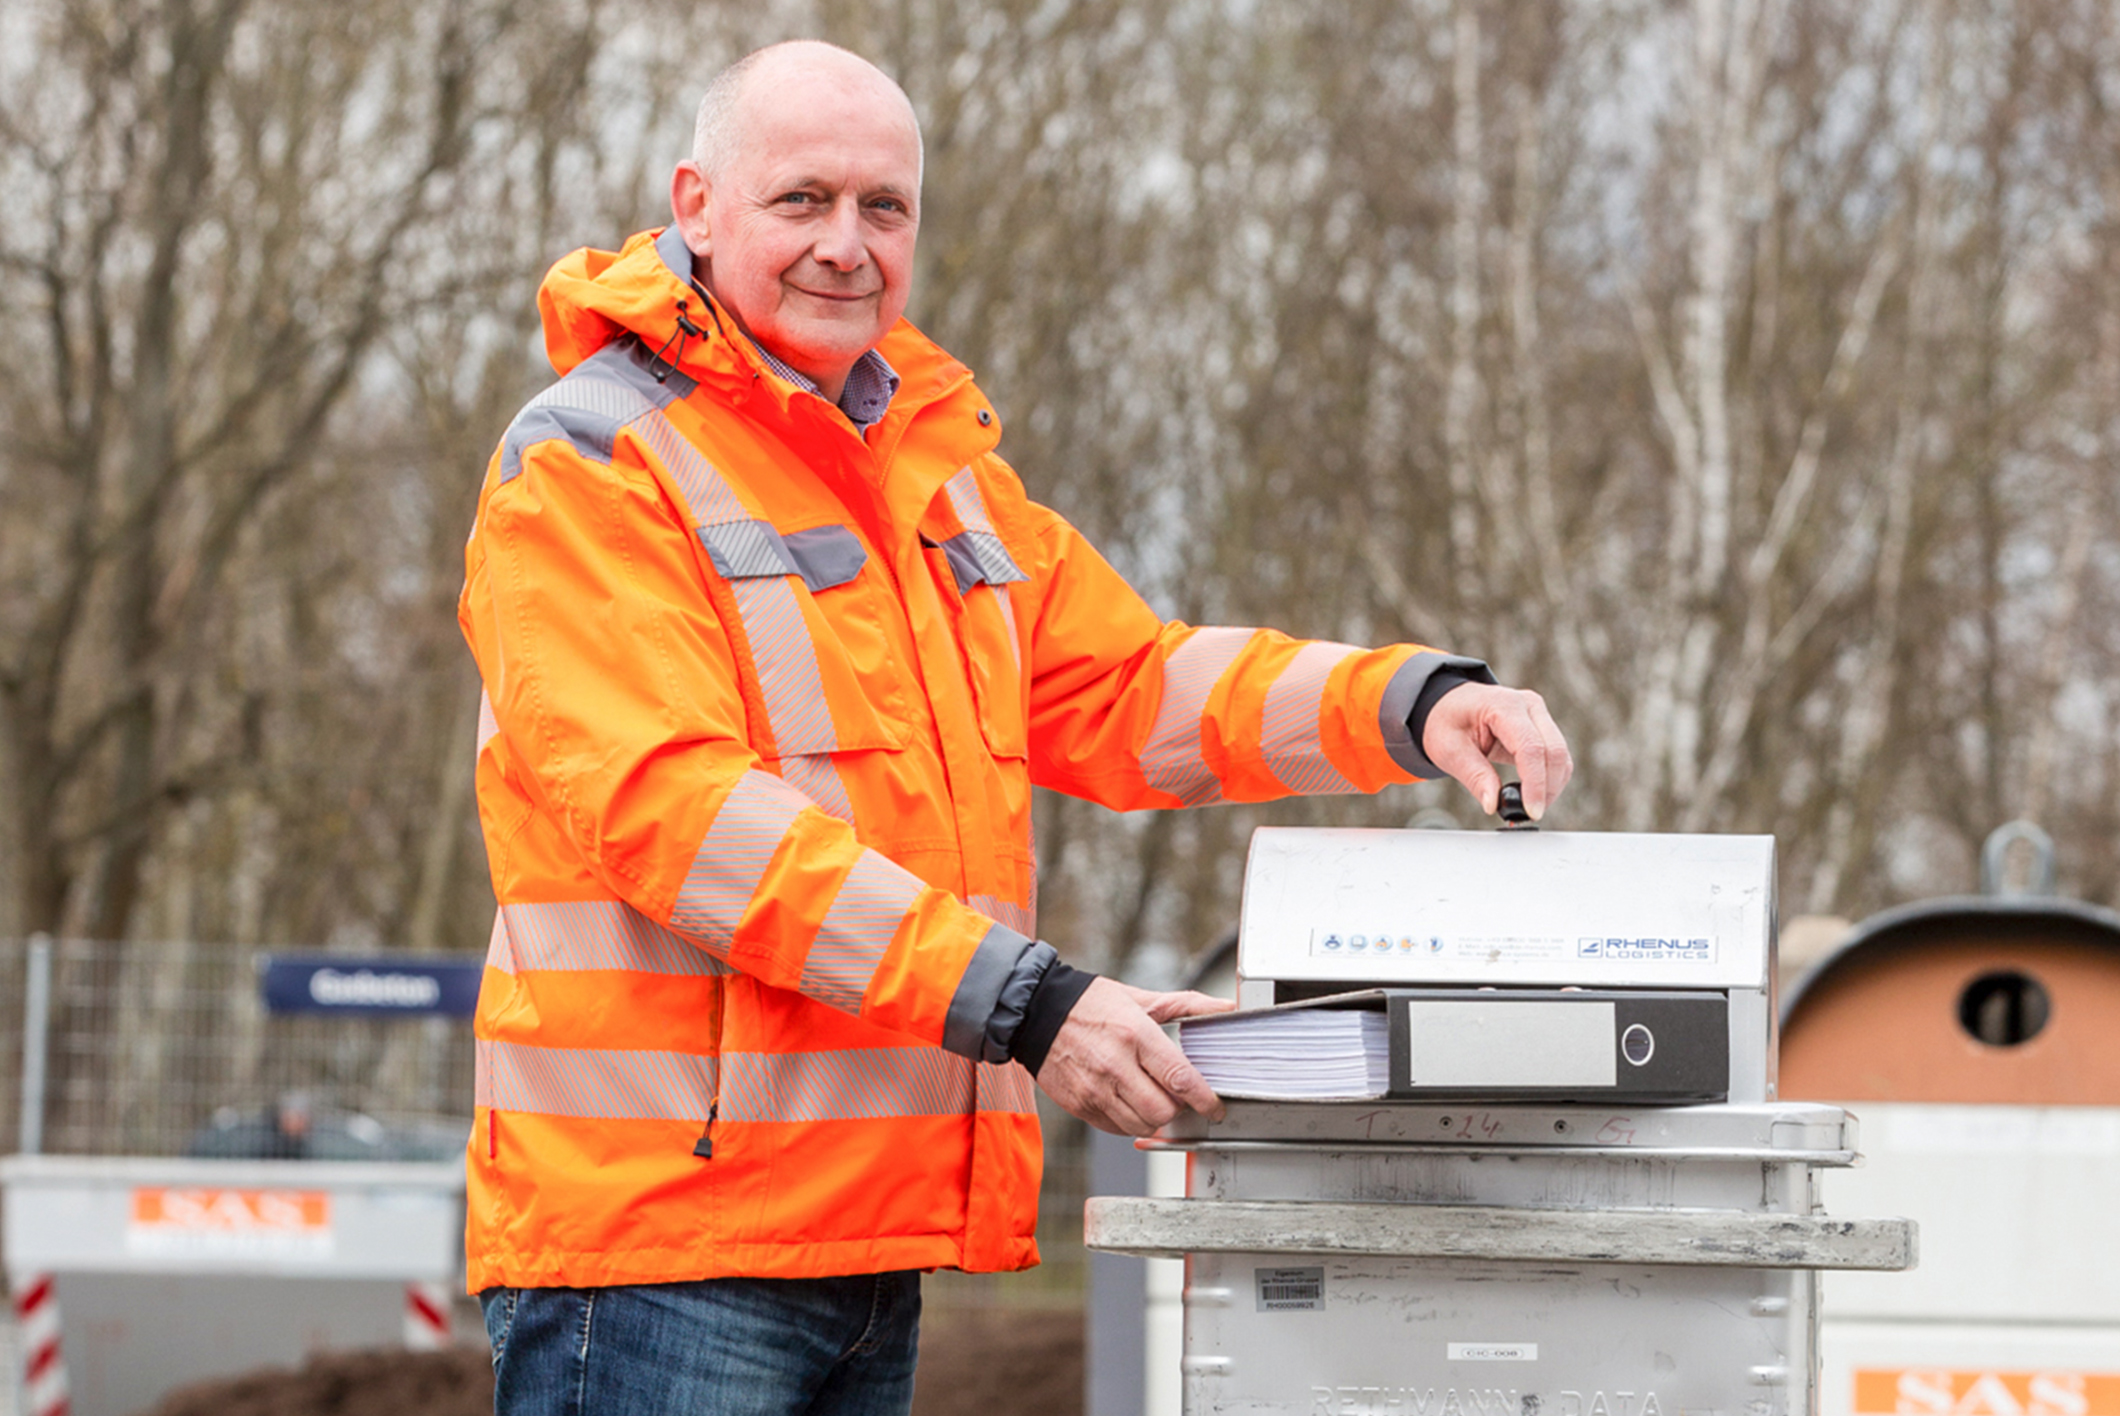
x=211 y=243
x=1743 y=374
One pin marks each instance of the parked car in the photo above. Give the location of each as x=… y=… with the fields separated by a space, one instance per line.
x=295 y=1129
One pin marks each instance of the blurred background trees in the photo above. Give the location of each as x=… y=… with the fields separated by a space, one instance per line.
x=1744 y=374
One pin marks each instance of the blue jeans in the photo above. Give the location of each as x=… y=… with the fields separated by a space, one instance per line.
x=718 y=1347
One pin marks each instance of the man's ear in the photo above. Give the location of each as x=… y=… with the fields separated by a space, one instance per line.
x=689 y=191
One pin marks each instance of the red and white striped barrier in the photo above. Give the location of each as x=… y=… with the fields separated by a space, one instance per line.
x=426 y=1316
x=44 y=1390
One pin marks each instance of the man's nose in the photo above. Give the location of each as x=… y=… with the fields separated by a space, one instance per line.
x=839 y=244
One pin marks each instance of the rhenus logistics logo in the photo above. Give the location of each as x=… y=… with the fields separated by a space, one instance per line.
x=1647 y=946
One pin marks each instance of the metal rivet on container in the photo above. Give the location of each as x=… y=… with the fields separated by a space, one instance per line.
x=986 y=417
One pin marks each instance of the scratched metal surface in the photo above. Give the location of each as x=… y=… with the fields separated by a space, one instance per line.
x=1409 y=1338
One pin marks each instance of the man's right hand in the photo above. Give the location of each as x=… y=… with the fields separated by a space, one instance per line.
x=1111 y=1065
x=1478 y=723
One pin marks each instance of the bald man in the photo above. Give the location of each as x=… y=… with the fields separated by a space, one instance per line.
x=774 y=647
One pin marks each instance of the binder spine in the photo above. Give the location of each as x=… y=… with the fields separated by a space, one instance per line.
x=1633 y=1047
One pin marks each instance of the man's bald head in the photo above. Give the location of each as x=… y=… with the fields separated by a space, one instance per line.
x=802 y=206
x=718 y=132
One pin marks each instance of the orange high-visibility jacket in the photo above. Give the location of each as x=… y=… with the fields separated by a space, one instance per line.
x=765 y=699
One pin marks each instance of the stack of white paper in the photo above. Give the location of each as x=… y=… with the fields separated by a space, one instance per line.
x=1296 y=1054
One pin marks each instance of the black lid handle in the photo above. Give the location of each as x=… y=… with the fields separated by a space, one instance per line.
x=1511 y=809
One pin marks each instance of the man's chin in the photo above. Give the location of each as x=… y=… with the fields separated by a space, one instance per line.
x=833 y=345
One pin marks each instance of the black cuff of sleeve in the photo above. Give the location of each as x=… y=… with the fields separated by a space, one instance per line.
x=1439 y=683
x=1058 y=992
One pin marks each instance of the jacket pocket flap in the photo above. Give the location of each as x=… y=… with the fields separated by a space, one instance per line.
x=979 y=558
x=824 y=556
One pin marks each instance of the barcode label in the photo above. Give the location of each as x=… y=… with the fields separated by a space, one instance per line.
x=1290 y=1290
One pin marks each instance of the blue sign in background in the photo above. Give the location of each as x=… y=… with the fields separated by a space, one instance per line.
x=378 y=985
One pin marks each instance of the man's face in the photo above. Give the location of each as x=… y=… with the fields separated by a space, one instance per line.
x=808 y=232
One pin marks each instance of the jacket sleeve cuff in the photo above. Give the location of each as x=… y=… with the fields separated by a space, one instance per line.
x=1005 y=968
x=1403 y=711
x=1012 y=1000
x=1050 y=1002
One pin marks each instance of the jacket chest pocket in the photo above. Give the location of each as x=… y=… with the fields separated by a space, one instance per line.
x=980 y=569
x=819 y=656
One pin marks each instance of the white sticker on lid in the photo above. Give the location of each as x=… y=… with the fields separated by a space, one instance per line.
x=1493 y=1352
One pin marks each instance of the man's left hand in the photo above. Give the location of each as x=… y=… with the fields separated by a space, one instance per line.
x=1113 y=1067
x=1476 y=724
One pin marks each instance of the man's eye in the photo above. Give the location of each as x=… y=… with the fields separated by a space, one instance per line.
x=798 y=198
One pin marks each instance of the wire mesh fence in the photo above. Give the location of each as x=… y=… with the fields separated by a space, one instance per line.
x=167 y=1049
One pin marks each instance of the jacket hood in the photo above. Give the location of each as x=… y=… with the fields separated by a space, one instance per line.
x=591 y=297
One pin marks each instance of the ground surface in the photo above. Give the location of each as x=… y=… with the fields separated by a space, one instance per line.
x=1000 y=1362
x=973 y=1362
x=454 y=1383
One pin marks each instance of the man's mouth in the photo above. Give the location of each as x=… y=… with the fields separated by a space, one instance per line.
x=842 y=296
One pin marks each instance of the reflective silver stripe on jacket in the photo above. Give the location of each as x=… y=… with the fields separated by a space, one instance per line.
x=857 y=930
x=786 y=659
x=856 y=1084
x=1017 y=917
x=1008 y=622
x=850 y=1085
x=588 y=408
x=816 y=778
x=732 y=861
x=580 y=935
x=1007 y=1088
x=968 y=501
x=712 y=500
x=1171 y=760
x=593 y=1082
x=1290 y=738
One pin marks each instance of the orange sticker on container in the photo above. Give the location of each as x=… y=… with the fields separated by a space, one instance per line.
x=169 y=1219
x=1943 y=1391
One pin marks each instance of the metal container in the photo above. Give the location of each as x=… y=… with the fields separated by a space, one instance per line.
x=1537 y=1240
